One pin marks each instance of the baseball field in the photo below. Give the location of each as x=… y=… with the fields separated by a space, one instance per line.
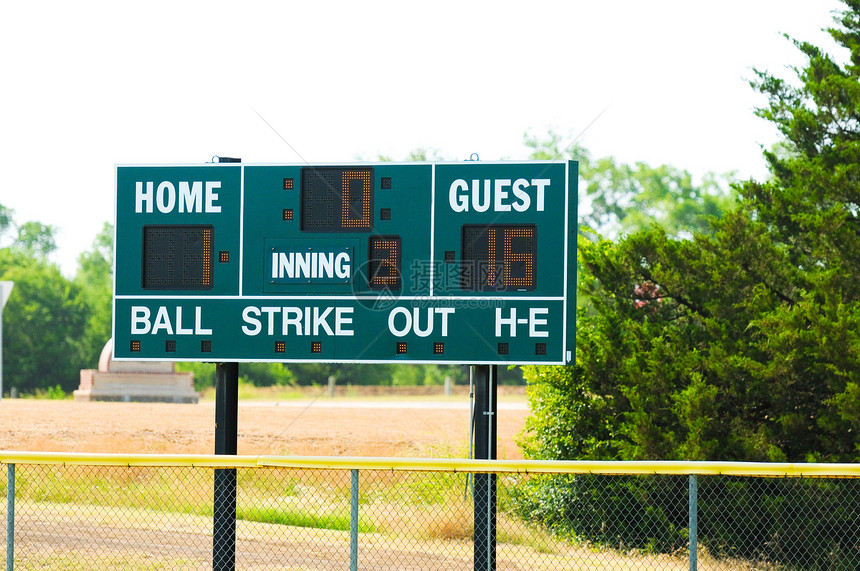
x=317 y=427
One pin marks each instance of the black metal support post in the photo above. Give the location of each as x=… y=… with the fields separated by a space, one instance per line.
x=226 y=436
x=486 y=399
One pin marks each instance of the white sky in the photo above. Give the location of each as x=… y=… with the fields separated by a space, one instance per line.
x=87 y=85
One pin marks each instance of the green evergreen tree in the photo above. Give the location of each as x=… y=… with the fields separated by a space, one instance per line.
x=741 y=342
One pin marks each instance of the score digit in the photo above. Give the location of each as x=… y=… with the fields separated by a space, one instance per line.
x=499 y=257
x=384 y=263
x=336 y=199
x=177 y=257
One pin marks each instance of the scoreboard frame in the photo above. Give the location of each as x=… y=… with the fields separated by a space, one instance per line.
x=436 y=262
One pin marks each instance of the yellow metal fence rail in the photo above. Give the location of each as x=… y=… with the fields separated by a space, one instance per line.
x=761 y=469
x=117 y=511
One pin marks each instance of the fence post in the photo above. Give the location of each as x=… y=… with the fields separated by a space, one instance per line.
x=224 y=497
x=694 y=522
x=10 y=518
x=484 y=496
x=353 y=523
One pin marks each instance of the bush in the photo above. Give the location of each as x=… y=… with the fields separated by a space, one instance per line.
x=51 y=393
x=647 y=513
x=801 y=523
x=798 y=523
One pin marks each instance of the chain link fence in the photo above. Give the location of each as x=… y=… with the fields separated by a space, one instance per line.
x=146 y=512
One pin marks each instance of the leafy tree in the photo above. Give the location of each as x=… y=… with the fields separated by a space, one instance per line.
x=740 y=342
x=32 y=238
x=301 y=374
x=43 y=321
x=418 y=154
x=256 y=374
x=36 y=239
x=344 y=373
x=622 y=198
x=426 y=375
x=45 y=316
x=95 y=280
x=7 y=222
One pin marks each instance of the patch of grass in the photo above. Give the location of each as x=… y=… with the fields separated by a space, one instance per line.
x=51 y=393
x=64 y=560
x=334 y=519
x=160 y=489
x=455 y=523
x=249 y=392
x=514 y=531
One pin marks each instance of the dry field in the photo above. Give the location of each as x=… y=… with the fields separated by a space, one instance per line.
x=80 y=535
x=324 y=427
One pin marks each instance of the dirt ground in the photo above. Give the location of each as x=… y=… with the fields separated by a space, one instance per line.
x=324 y=427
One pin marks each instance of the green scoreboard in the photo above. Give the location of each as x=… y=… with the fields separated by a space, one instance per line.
x=466 y=263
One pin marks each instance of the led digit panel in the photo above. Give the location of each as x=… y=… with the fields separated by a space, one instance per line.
x=499 y=257
x=337 y=199
x=384 y=262
x=177 y=257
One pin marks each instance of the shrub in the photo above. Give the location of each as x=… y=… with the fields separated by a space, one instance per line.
x=648 y=513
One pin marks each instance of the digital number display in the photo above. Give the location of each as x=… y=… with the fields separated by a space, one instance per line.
x=337 y=199
x=177 y=257
x=384 y=263
x=499 y=257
